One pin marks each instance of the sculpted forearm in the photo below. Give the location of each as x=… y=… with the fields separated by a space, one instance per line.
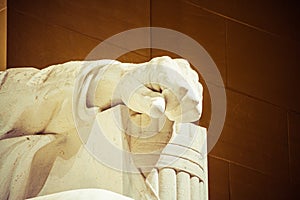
x=35 y=101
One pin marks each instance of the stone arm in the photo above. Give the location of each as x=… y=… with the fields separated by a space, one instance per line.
x=36 y=101
x=40 y=103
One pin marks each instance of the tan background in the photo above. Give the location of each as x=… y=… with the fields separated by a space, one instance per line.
x=254 y=43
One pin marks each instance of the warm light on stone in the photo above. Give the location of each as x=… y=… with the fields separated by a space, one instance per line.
x=91 y=129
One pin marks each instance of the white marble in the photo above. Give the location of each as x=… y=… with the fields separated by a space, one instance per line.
x=51 y=120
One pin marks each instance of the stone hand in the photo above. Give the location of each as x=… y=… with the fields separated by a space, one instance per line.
x=161 y=86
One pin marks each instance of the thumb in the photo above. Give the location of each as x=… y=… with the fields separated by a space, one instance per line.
x=144 y=100
x=139 y=98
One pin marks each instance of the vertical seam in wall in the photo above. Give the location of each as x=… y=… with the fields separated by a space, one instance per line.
x=6 y=23
x=5 y=11
x=226 y=53
x=150 y=23
x=289 y=145
x=229 y=181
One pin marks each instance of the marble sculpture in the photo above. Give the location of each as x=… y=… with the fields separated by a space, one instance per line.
x=48 y=149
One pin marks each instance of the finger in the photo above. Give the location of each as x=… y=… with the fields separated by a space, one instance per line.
x=180 y=88
x=186 y=69
x=136 y=96
x=188 y=109
x=173 y=108
x=144 y=100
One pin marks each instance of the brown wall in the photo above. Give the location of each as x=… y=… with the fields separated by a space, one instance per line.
x=254 y=43
x=3 y=13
